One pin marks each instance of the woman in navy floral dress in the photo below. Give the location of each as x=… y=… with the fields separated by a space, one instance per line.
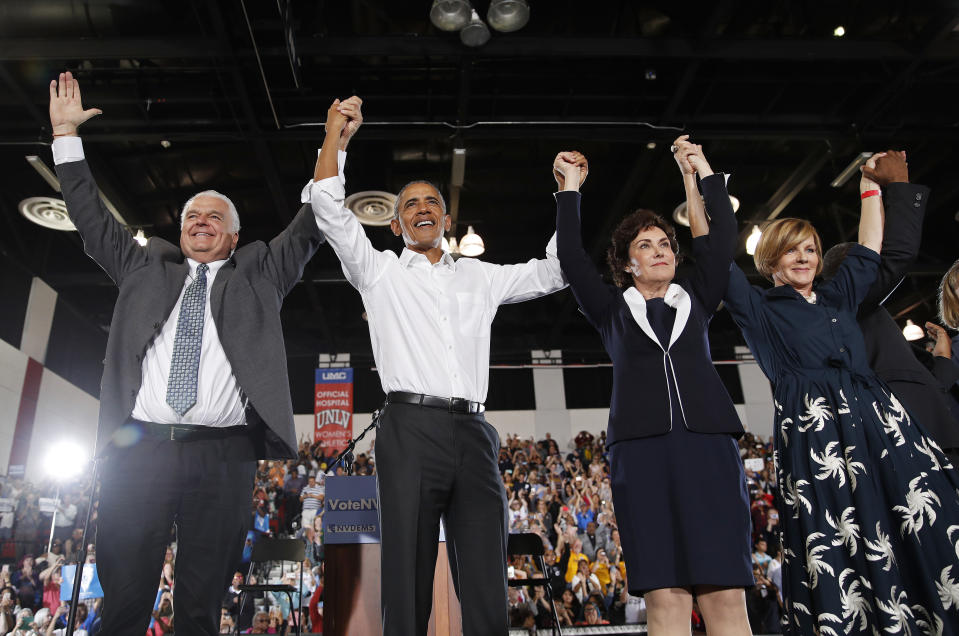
x=871 y=519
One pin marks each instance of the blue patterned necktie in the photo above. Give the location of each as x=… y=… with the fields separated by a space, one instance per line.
x=185 y=365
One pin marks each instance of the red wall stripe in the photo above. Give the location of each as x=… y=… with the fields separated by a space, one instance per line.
x=25 y=417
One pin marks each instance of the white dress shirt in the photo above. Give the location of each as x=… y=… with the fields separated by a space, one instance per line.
x=219 y=400
x=429 y=324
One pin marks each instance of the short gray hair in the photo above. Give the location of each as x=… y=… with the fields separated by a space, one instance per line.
x=399 y=196
x=235 y=226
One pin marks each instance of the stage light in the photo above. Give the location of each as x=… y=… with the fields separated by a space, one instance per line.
x=472 y=243
x=839 y=31
x=140 y=238
x=450 y=15
x=65 y=460
x=475 y=33
x=753 y=240
x=508 y=15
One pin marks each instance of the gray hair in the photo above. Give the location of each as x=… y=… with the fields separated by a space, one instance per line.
x=399 y=196
x=234 y=215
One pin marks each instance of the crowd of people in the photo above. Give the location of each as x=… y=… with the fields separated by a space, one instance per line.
x=563 y=496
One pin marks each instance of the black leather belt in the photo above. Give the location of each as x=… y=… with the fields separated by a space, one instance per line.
x=186 y=432
x=453 y=405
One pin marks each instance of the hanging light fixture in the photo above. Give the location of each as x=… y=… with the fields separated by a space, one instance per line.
x=450 y=15
x=475 y=33
x=472 y=243
x=450 y=245
x=912 y=331
x=753 y=240
x=508 y=15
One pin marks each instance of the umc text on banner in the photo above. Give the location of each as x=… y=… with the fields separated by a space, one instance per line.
x=333 y=427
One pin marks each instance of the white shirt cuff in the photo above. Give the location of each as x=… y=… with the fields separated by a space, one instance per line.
x=67 y=149
x=331 y=186
x=339 y=194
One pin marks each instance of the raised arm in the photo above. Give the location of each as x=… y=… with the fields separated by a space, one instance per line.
x=904 y=206
x=691 y=162
x=871 y=216
x=714 y=238
x=327 y=193
x=592 y=293
x=105 y=240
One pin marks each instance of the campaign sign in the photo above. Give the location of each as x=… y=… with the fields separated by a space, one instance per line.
x=351 y=510
x=89 y=582
x=334 y=408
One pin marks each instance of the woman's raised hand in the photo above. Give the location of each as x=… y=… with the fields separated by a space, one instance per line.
x=690 y=157
x=570 y=168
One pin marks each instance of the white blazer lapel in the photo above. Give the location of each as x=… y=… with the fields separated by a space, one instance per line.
x=677 y=298
x=637 y=307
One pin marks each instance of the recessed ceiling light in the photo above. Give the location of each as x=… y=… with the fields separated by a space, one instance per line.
x=372 y=207
x=48 y=212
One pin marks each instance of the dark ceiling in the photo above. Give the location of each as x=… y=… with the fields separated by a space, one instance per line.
x=240 y=88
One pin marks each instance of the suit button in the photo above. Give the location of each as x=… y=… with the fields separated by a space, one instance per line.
x=842 y=349
x=834 y=320
x=156 y=325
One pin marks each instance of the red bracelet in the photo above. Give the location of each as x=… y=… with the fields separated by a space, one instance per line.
x=869 y=193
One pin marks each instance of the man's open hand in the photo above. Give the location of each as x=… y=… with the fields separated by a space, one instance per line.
x=66 y=109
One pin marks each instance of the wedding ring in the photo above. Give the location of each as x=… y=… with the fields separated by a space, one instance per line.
x=673 y=148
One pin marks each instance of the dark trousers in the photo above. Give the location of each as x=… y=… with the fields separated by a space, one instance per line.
x=432 y=464
x=205 y=487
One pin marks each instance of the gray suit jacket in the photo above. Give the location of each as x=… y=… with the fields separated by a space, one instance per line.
x=245 y=301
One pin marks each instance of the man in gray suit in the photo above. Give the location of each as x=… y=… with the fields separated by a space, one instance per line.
x=194 y=387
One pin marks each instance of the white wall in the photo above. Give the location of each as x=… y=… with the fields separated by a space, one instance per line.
x=64 y=413
x=13 y=368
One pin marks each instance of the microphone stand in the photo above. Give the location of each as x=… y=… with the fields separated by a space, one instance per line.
x=82 y=556
x=346 y=456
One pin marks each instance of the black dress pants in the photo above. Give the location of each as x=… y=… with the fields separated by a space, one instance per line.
x=205 y=487
x=431 y=464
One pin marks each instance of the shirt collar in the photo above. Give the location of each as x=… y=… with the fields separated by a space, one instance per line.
x=408 y=257
x=786 y=291
x=213 y=265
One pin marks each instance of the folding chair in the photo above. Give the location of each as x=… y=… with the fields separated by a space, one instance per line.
x=530 y=544
x=267 y=550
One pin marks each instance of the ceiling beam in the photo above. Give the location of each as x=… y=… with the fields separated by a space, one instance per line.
x=652 y=48
x=193 y=47
x=109 y=48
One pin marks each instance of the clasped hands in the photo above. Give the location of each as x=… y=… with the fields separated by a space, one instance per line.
x=345 y=116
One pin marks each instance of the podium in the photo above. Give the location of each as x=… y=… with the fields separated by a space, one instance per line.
x=351 y=593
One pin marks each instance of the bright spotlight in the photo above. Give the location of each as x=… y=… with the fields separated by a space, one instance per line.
x=65 y=460
x=839 y=31
x=753 y=240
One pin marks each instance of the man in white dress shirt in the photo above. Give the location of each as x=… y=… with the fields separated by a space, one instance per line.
x=194 y=387
x=429 y=318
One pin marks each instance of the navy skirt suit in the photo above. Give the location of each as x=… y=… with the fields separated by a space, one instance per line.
x=678 y=485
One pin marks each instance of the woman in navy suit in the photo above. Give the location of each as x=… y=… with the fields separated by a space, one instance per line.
x=677 y=479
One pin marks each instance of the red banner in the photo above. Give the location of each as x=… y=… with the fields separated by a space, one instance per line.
x=333 y=426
